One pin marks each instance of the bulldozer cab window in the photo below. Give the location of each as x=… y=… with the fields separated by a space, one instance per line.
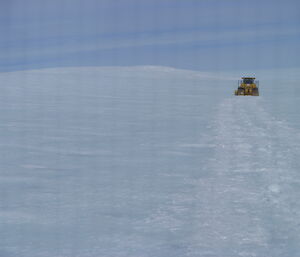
x=248 y=81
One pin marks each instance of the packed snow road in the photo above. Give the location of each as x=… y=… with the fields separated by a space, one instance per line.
x=253 y=191
x=145 y=162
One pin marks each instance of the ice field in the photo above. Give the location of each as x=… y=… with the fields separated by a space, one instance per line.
x=147 y=162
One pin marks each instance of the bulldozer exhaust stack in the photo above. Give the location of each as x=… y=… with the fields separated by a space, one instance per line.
x=248 y=86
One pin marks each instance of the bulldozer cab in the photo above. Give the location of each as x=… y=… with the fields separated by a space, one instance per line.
x=248 y=80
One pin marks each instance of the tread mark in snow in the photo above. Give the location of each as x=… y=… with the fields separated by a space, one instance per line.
x=252 y=202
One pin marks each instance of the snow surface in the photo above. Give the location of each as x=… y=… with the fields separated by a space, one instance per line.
x=146 y=161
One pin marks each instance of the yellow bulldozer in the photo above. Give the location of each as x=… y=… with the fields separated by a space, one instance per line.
x=247 y=86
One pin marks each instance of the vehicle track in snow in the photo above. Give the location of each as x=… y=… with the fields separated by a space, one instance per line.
x=244 y=202
x=249 y=207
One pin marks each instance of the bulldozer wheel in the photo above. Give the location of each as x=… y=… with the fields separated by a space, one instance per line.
x=255 y=92
x=240 y=91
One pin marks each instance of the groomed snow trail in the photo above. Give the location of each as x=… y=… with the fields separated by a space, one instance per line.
x=249 y=206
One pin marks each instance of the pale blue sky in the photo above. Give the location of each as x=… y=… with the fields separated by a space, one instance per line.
x=210 y=35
